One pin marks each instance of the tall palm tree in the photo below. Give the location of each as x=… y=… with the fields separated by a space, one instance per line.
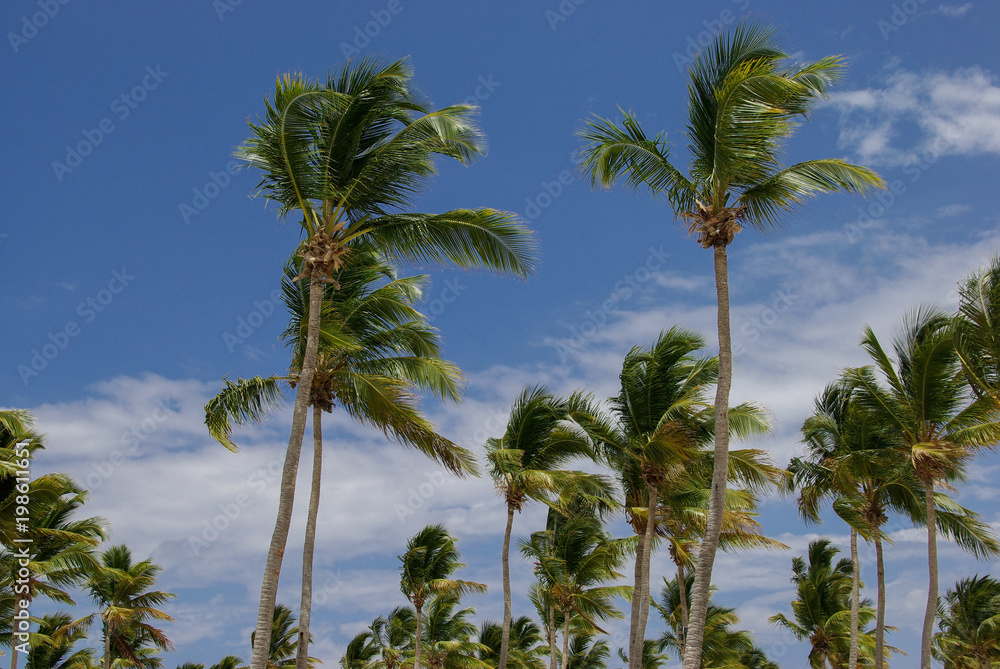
x=744 y=101
x=525 y=464
x=969 y=623
x=345 y=158
x=122 y=590
x=662 y=420
x=376 y=352
x=427 y=565
x=573 y=560
x=935 y=420
x=822 y=606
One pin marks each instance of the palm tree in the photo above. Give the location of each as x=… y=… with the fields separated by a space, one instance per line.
x=283 y=642
x=822 y=606
x=585 y=652
x=743 y=102
x=447 y=635
x=977 y=329
x=662 y=421
x=347 y=156
x=969 y=623
x=392 y=637
x=427 y=565
x=573 y=559
x=122 y=591
x=228 y=662
x=61 y=633
x=524 y=648
x=934 y=419
x=525 y=465
x=376 y=352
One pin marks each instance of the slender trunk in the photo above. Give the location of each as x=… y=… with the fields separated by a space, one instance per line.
x=683 y=596
x=505 y=561
x=305 y=607
x=565 y=657
x=852 y=660
x=286 y=496
x=720 y=472
x=880 y=605
x=107 y=646
x=638 y=638
x=416 y=640
x=636 y=594
x=932 y=568
x=552 y=638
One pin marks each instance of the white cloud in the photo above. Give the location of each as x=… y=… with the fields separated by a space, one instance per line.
x=916 y=118
x=954 y=11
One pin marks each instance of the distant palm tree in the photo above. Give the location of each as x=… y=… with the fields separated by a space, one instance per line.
x=586 y=652
x=574 y=560
x=977 y=329
x=448 y=636
x=228 y=662
x=526 y=465
x=427 y=565
x=933 y=417
x=821 y=610
x=59 y=633
x=744 y=101
x=345 y=157
x=123 y=592
x=284 y=640
x=969 y=624
x=391 y=638
x=525 y=647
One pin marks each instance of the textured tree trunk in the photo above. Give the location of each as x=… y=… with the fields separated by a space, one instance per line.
x=852 y=661
x=636 y=595
x=505 y=561
x=107 y=646
x=417 y=640
x=552 y=638
x=720 y=472
x=565 y=654
x=638 y=636
x=932 y=568
x=683 y=596
x=305 y=607
x=286 y=497
x=880 y=605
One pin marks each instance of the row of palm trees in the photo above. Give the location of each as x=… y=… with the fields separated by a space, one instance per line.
x=63 y=557
x=345 y=158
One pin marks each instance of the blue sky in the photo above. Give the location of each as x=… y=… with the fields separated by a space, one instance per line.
x=133 y=258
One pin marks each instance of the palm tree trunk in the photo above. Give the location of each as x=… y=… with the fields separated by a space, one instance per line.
x=286 y=496
x=636 y=594
x=305 y=607
x=852 y=661
x=417 y=640
x=638 y=636
x=720 y=471
x=565 y=653
x=107 y=646
x=683 y=596
x=880 y=606
x=552 y=638
x=932 y=568
x=505 y=561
